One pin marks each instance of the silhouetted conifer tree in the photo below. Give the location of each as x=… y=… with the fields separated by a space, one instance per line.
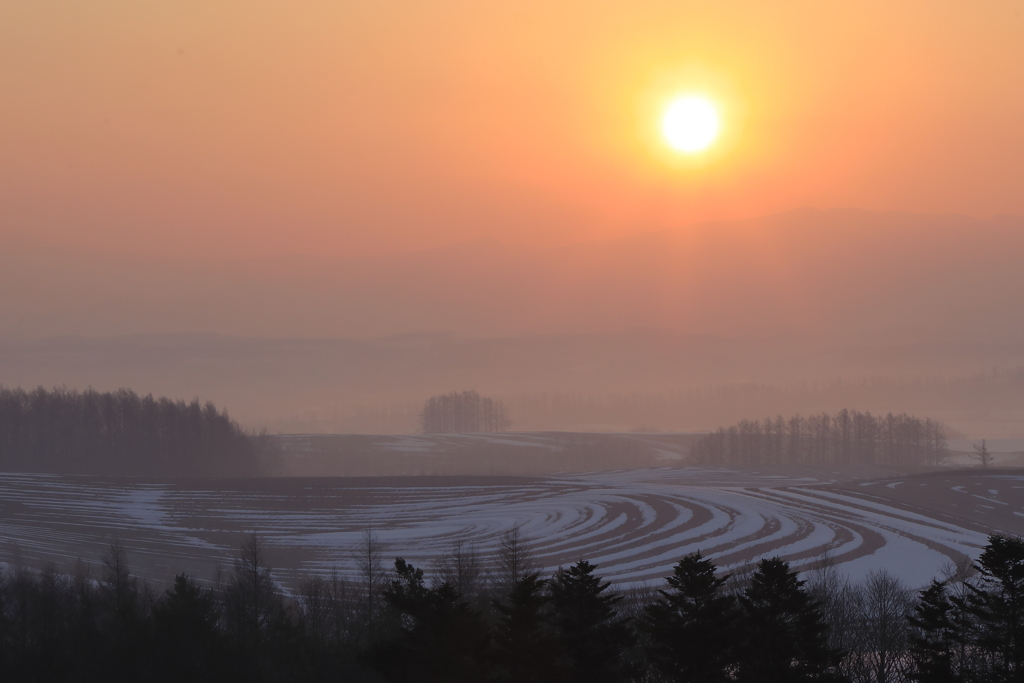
x=997 y=604
x=936 y=637
x=592 y=636
x=440 y=637
x=189 y=640
x=524 y=648
x=783 y=635
x=692 y=627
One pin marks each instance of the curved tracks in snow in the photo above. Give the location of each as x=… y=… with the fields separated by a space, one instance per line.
x=634 y=525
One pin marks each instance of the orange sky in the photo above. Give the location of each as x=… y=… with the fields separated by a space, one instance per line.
x=343 y=128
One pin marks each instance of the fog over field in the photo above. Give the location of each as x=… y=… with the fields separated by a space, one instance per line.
x=610 y=358
x=860 y=277
x=686 y=331
x=299 y=301
x=641 y=380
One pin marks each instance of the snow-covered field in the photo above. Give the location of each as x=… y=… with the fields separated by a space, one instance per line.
x=634 y=524
x=487 y=454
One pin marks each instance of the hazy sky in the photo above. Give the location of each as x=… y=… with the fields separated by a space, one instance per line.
x=344 y=128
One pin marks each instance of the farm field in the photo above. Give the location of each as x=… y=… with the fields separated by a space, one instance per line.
x=488 y=454
x=634 y=524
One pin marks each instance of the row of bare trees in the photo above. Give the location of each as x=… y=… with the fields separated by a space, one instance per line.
x=849 y=437
x=121 y=433
x=465 y=412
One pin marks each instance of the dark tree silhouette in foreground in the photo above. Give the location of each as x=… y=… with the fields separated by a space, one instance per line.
x=111 y=627
x=441 y=638
x=692 y=627
x=782 y=632
x=936 y=637
x=190 y=645
x=997 y=605
x=524 y=648
x=592 y=636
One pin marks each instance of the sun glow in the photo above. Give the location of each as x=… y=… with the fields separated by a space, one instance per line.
x=690 y=124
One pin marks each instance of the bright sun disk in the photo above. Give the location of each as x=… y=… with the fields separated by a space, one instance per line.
x=690 y=124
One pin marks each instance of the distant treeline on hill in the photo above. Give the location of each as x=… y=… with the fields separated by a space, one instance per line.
x=121 y=433
x=463 y=413
x=848 y=437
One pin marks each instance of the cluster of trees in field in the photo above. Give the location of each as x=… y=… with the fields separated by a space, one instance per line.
x=848 y=437
x=461 y=413
x=122 y=433
x=511 y=624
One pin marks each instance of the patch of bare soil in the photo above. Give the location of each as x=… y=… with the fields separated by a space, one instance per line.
x=990 y=500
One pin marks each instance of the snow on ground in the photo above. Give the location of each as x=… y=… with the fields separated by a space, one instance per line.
x=495 y=453
x=634 y=524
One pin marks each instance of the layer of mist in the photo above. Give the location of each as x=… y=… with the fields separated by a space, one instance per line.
x=877 y=278
x=675 y=331
x=639 y=381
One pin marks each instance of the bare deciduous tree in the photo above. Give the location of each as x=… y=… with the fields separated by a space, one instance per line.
x=849 y=437
x=981 y=454
x=370 y=561
x=119 y=586
x=460 y=568
x=885 y=607
x=326 y=610
x=457 y=413
x=252 y=599
x=120 y=433
x=840 y=604
x=515 y=560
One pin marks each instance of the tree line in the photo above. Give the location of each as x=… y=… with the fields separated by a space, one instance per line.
x=848 y=437
x=511 y=624
x=122 y=433
x=465 y=412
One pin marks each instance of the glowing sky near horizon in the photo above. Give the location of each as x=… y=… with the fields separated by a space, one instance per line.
x=339 y=129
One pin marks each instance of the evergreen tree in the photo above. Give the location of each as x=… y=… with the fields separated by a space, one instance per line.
x=783 y=635
x=440 y=637
x=188 y=633
x=997 y=604
x=523 y=648
x=692 y=627
x=592 y=637
x=936 y=637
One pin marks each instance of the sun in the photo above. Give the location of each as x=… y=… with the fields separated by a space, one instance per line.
x=690 y=124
